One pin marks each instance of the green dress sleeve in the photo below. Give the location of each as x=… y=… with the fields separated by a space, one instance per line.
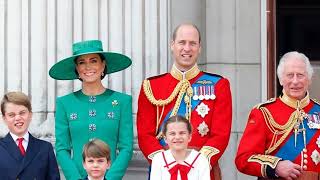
x=125 y=142
x=63 y=143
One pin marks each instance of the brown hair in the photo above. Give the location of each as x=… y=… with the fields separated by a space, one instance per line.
x=174 y=34
x=17 y=98
x=176 y=118
x=96 y=149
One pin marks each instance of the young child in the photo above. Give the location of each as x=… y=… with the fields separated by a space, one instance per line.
x=96 y=159
x=179 y=162
x=22 y=155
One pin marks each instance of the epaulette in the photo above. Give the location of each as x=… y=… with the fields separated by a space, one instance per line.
x=158 y=76
x=271 y=100
x=316 y=101
x=213 y=74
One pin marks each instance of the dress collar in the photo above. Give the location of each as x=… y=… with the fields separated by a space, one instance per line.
x=93 y=99
x=190 y=74
x=295 y=103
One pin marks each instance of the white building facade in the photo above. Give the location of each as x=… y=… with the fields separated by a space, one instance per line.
x=34 y=34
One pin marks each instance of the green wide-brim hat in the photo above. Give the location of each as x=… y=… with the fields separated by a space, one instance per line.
x=66 y=68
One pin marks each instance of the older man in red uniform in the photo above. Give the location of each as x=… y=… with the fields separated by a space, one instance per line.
x=282 y=137
x=203 y=98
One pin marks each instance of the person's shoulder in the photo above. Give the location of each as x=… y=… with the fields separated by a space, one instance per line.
x=120 y=95
x=212 y=74
x=41 y=142
x=265 y=104
x=66 y=97
x=315 y=101
x=158 y=77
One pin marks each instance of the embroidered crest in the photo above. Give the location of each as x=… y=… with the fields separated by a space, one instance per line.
x=115 y=103
x=73 y=116
x=315 y=156
x=202 y=109
x=92 y=99
x=203 y=129
x=204 y=82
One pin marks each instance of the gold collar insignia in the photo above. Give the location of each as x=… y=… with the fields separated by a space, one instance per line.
x=190 y=74
x=295 y=103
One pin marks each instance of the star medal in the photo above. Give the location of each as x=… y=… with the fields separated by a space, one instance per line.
x=195 y=92
x=203 y=129
x=314 y=120
x=202 y=109
x=315 y=156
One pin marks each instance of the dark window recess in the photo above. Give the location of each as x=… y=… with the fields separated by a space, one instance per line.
x=298 y=29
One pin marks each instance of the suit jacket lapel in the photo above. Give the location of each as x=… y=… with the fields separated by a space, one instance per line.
x=32 y=151
x=11 y=147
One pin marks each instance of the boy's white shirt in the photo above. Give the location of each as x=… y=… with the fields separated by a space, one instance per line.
x=89 y=178
x=24 y=142
x=201 y=170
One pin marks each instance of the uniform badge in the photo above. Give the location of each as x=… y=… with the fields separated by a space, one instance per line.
x=315 y=156
x=314 y=120
x=73 y=116
x=203 y=129
x=115 y=103
x=202 y=109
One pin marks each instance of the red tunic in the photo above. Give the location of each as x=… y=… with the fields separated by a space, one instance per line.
x=257 y=138
x=218 y=118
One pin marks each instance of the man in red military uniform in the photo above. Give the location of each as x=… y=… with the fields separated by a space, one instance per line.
x=282 y=137
x=203 y=98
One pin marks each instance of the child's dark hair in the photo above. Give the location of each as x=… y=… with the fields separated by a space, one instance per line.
x=96 y=149
x=176 y=118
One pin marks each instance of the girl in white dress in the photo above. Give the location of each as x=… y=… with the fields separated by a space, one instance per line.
x=179 y=162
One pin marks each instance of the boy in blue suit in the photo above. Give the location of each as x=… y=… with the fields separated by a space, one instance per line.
x=23 y=156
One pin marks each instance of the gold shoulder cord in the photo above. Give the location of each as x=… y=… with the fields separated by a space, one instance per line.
x=181 y=88
x=278 y=129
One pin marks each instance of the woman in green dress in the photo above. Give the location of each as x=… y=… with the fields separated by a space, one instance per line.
x=92 y=112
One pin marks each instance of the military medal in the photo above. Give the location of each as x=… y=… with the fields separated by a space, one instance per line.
x=212 y=96
x=195 y=92
x=315 y=156
x=202 y=109
x=201 y=90
x=207 y=92
x=203 y=129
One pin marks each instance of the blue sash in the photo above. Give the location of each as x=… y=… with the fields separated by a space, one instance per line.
x=194 y=103
x=288 y=151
